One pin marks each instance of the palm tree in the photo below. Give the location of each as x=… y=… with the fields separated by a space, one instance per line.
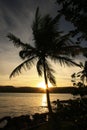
x=49 y=43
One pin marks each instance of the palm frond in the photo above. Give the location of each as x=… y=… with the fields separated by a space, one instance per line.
x=64 y=60
x=37 y=12
x=50 y=72
x=40 y=67
x=70 y=50
x=36 y=22
x=17 y=42
x=64 y=41
x=64 y=45
x=51 y=78
x=25 y=65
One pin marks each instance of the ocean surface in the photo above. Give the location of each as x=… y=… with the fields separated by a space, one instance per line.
x=15 y=104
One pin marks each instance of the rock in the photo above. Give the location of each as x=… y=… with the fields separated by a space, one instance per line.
x=18 y=123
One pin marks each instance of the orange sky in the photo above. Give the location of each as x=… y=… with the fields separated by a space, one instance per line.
x=31 y=78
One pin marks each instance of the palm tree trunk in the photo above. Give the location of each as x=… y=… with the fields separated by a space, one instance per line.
x=47 y=89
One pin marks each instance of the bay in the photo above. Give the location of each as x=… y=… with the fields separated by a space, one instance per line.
x=16 y=104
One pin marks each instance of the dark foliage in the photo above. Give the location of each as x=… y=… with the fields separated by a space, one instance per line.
x=75 y=11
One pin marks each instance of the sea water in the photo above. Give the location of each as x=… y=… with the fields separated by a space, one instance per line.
x=16 y=104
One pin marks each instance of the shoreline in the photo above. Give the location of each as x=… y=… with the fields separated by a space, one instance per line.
x=23 y=121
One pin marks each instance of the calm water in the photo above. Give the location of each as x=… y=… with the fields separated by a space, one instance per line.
x=15 y=104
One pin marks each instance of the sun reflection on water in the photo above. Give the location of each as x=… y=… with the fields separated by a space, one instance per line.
x=44 y=100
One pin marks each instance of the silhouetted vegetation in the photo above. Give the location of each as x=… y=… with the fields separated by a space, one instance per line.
x=75 y=11
x=72 y=114
x=79 y=80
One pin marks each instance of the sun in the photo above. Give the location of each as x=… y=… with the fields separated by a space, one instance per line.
x=42 y=85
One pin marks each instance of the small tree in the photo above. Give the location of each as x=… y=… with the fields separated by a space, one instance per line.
x=79 y=79
x=81 y=75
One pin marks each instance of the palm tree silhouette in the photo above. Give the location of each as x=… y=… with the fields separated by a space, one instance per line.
x=49 y=43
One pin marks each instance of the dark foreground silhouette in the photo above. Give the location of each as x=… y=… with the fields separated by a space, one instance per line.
x=68 y=115
x=24 y=122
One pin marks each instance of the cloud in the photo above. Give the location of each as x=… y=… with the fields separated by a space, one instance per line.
x=16 y=17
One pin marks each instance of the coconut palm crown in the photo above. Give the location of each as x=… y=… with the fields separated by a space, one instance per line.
x=49 y=43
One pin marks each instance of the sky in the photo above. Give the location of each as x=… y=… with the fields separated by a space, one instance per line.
x=16 y=16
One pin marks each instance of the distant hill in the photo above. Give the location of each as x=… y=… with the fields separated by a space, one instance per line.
x=11 y=89
x=71 y=90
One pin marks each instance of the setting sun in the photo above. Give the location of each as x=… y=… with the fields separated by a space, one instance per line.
x=42 y=85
